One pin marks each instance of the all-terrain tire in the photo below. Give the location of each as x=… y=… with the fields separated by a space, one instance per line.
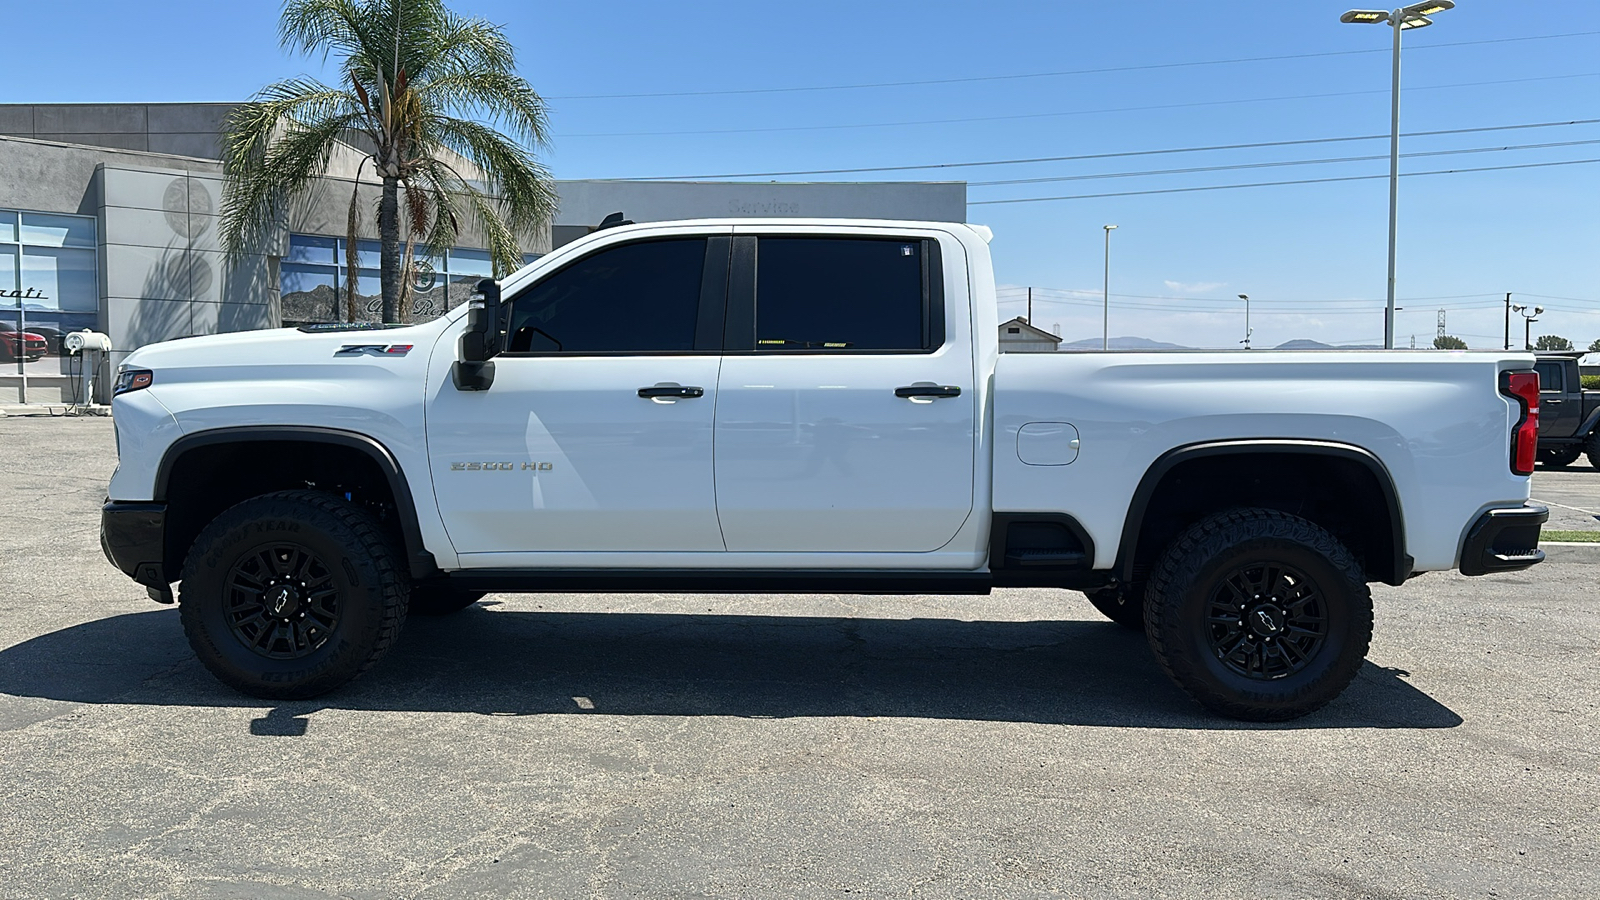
x=430 y=600
x=1124 y=607
x=1591 y=449
x=1560 y=457
x=292 y=594
x=1304 y=614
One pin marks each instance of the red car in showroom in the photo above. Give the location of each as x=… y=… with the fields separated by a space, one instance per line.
x=14 y=344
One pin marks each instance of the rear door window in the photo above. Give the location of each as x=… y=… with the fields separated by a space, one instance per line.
x=1551 y=376
x=843 y=295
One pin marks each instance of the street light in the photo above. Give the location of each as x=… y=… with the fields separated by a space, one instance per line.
x=1105 y=314
x=1246 y=341
x=1527 y=323
x=1413 y=16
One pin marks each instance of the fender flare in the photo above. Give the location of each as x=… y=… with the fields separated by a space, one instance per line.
x=1403 y=563
x=419 y=561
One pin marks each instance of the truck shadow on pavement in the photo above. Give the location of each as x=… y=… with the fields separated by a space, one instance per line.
x=521 y=663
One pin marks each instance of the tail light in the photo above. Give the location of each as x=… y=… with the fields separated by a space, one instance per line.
x=1524 y=388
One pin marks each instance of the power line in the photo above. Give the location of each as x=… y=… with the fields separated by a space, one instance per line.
x=1277 y=164
x=1225 y=187
x=1057 y=115
x=1115 y=155
x=1027 y=75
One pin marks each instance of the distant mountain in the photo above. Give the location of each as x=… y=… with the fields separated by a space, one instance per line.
x=1308 y=344
x=1124 y=343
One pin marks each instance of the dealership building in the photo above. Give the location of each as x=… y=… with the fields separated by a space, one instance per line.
x=109 y=218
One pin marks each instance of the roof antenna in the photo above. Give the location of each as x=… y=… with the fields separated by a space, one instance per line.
x=612 y=221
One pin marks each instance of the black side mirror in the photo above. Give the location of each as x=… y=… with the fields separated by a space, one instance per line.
x=483 y=340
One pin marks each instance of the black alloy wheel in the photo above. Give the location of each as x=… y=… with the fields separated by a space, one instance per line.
x=281 y=601
x=289 y=595
x=1266 y=621
x=1258 y=614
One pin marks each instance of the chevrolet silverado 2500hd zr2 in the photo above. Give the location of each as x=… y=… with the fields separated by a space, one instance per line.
x=802 y=405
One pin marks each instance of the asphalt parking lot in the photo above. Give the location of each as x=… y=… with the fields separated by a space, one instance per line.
x=563 y=746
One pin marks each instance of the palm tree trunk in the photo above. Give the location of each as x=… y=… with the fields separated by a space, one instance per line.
x=389 y=247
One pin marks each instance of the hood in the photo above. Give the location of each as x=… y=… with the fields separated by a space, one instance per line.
x=288 y=346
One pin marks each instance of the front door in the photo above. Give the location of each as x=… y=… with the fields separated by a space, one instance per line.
x=846 y=421
x=596 y=433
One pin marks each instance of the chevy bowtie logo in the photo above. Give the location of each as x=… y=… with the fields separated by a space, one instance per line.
x=373 y=350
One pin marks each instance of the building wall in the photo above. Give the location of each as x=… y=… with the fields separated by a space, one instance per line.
x=182 y=129
x=585 y=203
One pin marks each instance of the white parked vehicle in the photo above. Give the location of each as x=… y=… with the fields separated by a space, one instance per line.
x=803 y=405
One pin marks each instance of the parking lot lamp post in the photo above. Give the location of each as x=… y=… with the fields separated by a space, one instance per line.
x=1246 y=341
x=1105 y=312
x=1413 y=16
x=1528 y=318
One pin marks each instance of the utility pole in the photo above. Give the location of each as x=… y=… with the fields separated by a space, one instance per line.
x=1105 y=314
x=1508 y=320
x=1030 y=306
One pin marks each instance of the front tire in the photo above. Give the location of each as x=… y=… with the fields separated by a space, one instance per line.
x=1259 y=615
x=1591 y=449
x=292 y=594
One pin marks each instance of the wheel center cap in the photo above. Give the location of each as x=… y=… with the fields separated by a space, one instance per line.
x=1266 y=620
x=282 y=600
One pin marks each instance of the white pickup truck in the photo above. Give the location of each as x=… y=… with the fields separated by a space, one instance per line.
x=802 y=405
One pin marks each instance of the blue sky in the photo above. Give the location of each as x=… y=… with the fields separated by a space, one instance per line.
x=1312 y=256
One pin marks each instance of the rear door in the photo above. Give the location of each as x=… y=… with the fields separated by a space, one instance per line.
x=1560 y=409
x=845 y=407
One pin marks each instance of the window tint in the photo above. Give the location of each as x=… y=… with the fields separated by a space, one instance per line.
x=1550 y=377
x=840 y=294
x=631 y=298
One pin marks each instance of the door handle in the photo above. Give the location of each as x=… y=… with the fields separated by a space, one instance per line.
x=671 y=390
x=928 y=390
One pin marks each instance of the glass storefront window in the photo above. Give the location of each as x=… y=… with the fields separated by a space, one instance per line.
x=308 y=249
x=49 y=273
x=45 y=230
x=65 y=278
x=311 y=280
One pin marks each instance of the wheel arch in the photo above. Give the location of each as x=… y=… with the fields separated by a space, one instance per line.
x=250 y=443
x=1278 y=461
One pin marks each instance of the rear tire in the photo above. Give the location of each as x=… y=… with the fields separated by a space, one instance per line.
x=427 y=600
x=1123 y=606
x=1591 y=449
x=1259 y=615
x=292 y=594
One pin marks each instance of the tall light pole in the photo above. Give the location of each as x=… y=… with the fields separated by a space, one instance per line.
x=1105 y=314
x=1246 y=341
x=1528 y=318
x=1413 y=16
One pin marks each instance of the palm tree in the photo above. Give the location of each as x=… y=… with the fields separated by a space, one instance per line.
x=412 y=74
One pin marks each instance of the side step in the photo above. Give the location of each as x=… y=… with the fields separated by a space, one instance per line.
x=1055 y=557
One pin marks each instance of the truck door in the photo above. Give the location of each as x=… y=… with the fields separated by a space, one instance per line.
x=596 y=434
x=845 y=408
x=1559 y=412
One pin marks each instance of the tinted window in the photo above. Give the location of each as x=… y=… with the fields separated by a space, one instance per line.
x=840 y=294
x=1550 y=377
x=631 y=298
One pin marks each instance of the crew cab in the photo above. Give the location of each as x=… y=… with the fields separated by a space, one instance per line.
x=1569 y=416
x=802 y=405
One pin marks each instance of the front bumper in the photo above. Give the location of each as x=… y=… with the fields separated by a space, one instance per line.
x=133 y=537
x=1504 y=540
